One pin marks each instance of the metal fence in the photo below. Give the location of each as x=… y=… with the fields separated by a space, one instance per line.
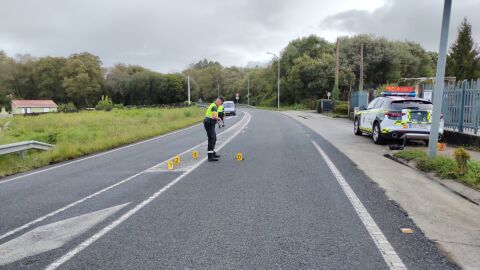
x=358 y=99
x=461 y=106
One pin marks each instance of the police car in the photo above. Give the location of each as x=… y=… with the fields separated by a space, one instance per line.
x=395 y=116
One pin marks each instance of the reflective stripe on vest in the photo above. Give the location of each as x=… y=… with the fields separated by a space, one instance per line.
x=209 y=110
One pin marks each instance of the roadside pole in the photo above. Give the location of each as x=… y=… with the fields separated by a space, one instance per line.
x=248 y=90
x=188 y=83
x=439 y=80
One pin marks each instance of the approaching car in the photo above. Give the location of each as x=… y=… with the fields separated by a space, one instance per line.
x=396 y=117
x=229 y=108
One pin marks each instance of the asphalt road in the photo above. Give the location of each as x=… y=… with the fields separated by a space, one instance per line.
x=294 y=202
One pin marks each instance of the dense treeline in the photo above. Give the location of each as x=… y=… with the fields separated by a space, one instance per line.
x=307 y=68
x=81 y=79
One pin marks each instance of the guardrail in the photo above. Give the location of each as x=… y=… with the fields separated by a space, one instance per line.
x=21 y=147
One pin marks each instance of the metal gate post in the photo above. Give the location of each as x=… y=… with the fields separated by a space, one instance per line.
x=462 y=107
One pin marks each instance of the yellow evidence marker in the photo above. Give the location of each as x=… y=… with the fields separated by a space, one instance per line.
x=176 y=160
x=195 y=154
x=170 y=165
x=239 y=156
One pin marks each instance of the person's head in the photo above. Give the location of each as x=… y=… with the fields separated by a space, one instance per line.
x=219 y=101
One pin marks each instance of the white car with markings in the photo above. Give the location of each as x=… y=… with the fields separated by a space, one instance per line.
x=396 y=117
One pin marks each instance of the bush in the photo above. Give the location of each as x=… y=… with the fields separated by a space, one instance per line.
x=105 y=104
x=67 y=108
x=445 y=167
x=118 y=106
x=341 y=108
x=462 y=157
x=410 y=154
x=472 y=175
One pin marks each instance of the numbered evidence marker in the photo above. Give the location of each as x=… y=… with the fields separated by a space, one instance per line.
x=239 y=156
x=170 y=165
x=195 y=154
x=176 y=160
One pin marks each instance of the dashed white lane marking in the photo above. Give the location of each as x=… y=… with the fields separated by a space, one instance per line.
x=138 y=207
x=94 y=156
x=51 y=214
x=389 y=255
x=52 y=236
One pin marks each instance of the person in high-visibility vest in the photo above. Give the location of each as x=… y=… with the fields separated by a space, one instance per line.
x=221 y=114
x=211 y=116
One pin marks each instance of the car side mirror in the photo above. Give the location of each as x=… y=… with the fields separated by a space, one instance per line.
x=362 y=108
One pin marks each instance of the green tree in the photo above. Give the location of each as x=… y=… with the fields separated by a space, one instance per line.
x=463 y=60
x=83 y=78
x=49 y=78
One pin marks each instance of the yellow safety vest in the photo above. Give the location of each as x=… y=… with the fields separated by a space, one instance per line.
x=212 y=110
x=220 y=108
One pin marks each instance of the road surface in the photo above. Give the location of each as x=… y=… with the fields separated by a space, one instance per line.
x=294 y=202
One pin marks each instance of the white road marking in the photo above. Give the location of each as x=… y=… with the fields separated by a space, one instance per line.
x=94 y=156
x=40 y=219
x=138 y=207
x=389 y=255
x=52 y=236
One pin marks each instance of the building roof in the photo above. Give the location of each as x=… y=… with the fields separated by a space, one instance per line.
x=25 y=103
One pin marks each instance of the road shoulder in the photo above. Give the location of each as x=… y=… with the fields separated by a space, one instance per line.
x=447 y=219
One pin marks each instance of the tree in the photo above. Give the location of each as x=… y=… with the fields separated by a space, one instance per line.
x=83 y=78
x=463 y=59
x=49 y=78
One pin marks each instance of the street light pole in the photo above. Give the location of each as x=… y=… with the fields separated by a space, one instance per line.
x=439 y=80
x=248 y=90
x=188 y=82
x=278 y=79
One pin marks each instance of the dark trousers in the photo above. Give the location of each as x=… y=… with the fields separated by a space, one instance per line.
x=209 y=125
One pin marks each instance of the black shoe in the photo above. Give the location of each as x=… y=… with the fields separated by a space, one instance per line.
x=216 y=155
x=211 y=157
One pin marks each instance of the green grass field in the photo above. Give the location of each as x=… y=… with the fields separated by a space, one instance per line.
x=79 y=134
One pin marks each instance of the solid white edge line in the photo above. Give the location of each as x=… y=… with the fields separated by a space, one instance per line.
x=40 y=219
x=138 y=207
x=389 y=255
x=66 y=163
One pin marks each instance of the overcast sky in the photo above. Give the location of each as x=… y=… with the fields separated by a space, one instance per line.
x=168 y=35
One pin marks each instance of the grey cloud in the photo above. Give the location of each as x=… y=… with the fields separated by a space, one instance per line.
x=413 y=20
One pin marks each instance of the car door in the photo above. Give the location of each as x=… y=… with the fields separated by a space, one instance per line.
x=368 y=116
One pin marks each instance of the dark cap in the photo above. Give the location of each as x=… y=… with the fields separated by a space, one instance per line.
x=221 y=98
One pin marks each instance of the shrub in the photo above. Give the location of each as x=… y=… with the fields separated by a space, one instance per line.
x=341 y=108
x=462 y=157
x=424 y=164
x=67 y=108
x=105 y=104
x=445 y=167
x=410 y=154
x=118 y=106
x=472 y=175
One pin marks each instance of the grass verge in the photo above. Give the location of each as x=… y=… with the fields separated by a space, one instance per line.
x=444 y=167
x=87 y=132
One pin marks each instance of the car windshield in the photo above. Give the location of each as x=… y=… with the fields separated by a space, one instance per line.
x=422 y=105
x=229 y=105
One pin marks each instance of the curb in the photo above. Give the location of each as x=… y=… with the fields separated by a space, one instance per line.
x=458 y=188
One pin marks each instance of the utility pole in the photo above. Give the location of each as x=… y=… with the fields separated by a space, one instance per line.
x=439 y=80
x=188 y=83
x=360 y=85
x=248 y=90
x=278 y=79
x=337 y=66
x=218 y=88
